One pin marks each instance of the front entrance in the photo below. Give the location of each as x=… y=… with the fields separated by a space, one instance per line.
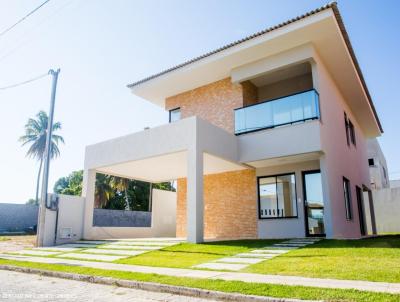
x=313 y=203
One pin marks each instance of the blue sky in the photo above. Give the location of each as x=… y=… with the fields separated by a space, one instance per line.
x=101 y=46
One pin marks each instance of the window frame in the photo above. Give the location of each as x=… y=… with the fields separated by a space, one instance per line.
x=276 y=185
x=171 y=110
x=371 y=160
x=346 y=126
x=347 y=198
x=352 y=133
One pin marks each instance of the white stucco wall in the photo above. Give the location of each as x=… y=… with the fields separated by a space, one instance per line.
x=70 y=215
x=387 y=210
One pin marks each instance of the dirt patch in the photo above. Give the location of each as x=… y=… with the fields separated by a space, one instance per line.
x=16 y=243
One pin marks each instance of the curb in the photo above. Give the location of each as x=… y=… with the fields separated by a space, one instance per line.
x=150 y=286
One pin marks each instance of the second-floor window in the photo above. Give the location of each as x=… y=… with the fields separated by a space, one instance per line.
x=352 y=133
x=174 y=115
x=346 y=125
x=350 y=130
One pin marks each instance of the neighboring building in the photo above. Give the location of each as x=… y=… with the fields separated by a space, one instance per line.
x=395 y=183
x=377 y=165
x=268 y=138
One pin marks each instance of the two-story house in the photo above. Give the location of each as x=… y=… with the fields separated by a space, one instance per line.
x=267 y=137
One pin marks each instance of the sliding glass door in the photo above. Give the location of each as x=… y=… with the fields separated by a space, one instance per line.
x=313 y=203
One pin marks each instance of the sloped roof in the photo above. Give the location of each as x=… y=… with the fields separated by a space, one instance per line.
x=332 y=5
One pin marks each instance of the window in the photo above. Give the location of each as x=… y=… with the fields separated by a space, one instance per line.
x=352 y=133
x=346 y=126
x=371 y=162
x=277 y=196
x=174 y=115
x=347 y=197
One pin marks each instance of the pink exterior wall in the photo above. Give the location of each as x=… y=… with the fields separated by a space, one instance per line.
x=339 y=159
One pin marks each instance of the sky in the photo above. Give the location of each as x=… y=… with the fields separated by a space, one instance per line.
x=101 y=46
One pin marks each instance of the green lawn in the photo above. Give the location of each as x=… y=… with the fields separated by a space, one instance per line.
x=373 y=259
x=281 y=291
x=4 y=238
x=185 y=255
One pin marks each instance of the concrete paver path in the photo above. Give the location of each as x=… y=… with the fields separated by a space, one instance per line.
x=385 y=287
x=243 y=260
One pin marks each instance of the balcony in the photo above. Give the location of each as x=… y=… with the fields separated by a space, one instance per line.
x=292 y=109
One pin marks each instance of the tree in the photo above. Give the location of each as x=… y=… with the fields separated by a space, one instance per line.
x=35 y=136
x=31 y=201
x=166 y=186
x=121 y=184
x=70 y=185
x=103 y=191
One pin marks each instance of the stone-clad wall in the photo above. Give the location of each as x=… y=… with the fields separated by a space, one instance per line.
x=230 y=205
x=121 y=218
x=214 y=102
x=17 y=217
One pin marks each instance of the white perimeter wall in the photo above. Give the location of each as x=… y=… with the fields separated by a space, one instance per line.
x=387 y=210
x=71 y=215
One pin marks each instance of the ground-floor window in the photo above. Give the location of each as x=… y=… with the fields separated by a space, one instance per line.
x=347 y=198
x=277 y=196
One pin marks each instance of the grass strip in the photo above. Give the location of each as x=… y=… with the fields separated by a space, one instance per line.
x=259 y=289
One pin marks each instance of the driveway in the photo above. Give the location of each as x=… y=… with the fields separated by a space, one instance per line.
x=34 y=288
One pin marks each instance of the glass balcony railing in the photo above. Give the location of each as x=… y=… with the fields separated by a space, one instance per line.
x=290 y=109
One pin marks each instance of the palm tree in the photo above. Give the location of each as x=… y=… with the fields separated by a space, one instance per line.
x=35 y=135
x=121 y=185
x=104 y=191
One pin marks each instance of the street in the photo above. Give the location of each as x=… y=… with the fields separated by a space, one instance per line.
x=34 y=288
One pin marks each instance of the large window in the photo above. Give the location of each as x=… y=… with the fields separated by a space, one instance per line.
x=277 y=196
x=347 y=197
x=174 y=115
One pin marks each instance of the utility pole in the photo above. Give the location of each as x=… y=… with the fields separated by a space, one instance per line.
x=47 y=157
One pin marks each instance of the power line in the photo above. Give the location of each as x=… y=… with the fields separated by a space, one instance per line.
x=24 y=82
x=23 y=18
x=23 y=42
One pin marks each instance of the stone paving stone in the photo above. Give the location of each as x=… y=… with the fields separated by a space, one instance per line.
x=36 y=253
x=240 y=260
x=291 y=244
x=255 y=255
x=131 y=247
x=221 y=266
x=281 y=248
x=57 y=249
x=143 y=243
x=77 y=245
x=113 y=252
x=270 y=251
x=91 y=257
x=93 y=242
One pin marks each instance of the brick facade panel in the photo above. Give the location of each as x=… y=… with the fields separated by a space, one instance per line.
x=230 y=205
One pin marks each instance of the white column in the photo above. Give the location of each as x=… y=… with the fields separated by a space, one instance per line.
x=195 y=206
x=88 y=190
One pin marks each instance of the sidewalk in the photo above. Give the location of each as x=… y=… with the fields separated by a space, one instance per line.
x=382 y=287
